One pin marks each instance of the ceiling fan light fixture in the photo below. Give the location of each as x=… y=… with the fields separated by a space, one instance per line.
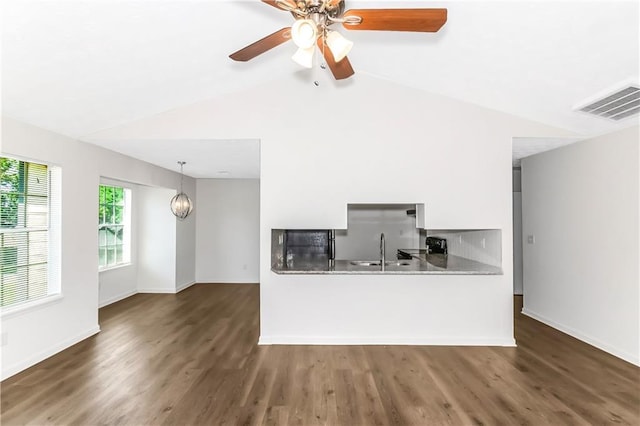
x=304 y=57
x=340 y=46
x=304 y=33
x=313 y=18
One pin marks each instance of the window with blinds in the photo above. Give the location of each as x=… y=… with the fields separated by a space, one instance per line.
x=24 y=231
x=113 y=226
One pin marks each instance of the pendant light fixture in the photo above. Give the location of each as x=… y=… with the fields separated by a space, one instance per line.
x=181 y=205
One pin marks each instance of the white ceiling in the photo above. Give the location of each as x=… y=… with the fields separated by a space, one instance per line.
x=78 y=67
x=205 y=158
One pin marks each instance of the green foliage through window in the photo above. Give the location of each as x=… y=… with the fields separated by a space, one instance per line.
x=11 y=190
x=112 y=244
x=24 y=231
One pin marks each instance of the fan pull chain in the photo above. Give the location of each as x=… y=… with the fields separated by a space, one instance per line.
x=316 y=82
x=323 y=64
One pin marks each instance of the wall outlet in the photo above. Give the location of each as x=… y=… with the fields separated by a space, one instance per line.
x=484 y=243
x=531 y=239
x=459 y=239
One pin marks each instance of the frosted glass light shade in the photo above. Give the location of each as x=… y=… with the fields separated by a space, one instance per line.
x=304 y=33
x=304 y=57
x=340 y=46
x=181 y=205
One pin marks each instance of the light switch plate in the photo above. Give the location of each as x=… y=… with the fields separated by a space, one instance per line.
x=531 y=239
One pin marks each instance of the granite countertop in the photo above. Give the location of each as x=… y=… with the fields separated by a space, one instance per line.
x=419 y=264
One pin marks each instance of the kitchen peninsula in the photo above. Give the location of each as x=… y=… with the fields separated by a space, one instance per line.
x=420 y=264
x=361 y=250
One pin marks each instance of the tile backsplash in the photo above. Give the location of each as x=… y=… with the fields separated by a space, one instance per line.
x=481 y=245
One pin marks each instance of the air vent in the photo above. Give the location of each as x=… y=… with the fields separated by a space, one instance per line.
x=616 y=106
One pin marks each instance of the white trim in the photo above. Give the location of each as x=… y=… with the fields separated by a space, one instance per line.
x=41 y=356
x=117 y=298
x=31 y=305
x=157 y=290
x=18 y=229
x=184 y=286
x=632 y=358
x=122 y=296
x=360 y=340
x=114 y=266
x=216 y=281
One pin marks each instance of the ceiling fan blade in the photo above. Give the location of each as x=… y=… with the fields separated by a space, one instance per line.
x=262 y=45
x=419 y=20
x=273 y=3
x=340 y=70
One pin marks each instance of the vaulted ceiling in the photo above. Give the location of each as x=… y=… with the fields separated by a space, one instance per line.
x=78 y=67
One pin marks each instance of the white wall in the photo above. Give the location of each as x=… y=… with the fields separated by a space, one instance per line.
x=517 y=231
x=185 y=240
x=517 y=180
x=228 y=237
x=156 y=241
x=75 y=316
x=580 y=203
x=368 y=141
x=517 y=243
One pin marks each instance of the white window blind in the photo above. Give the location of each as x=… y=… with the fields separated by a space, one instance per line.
x=26 y=270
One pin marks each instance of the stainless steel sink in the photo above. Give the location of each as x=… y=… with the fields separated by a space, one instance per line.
x=377 y=263
x=398 y=263
x=365 y=263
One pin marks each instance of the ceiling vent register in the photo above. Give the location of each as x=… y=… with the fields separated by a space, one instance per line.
x=621 y=104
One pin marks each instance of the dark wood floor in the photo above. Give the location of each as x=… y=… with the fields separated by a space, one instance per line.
x=192 y=358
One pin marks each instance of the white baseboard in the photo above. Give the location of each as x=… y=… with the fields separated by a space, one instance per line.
x=178 y=289
x=117 y=298
x=145 y=290
x=417 y=341
x=184 y=286
x=214 y=281
x=632 y=358
x=157 y=290
x=41 y=356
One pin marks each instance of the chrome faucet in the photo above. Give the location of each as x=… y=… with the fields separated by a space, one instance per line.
x=382 y=252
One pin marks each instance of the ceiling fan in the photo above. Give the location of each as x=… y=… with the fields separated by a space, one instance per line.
x=311 y=27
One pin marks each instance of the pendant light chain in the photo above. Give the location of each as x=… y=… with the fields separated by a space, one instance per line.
x=182 y=163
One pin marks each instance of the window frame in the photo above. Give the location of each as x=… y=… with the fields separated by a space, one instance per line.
x=52 y=230
x=124 y=225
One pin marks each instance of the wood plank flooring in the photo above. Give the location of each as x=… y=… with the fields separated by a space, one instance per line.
x=192 y=359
